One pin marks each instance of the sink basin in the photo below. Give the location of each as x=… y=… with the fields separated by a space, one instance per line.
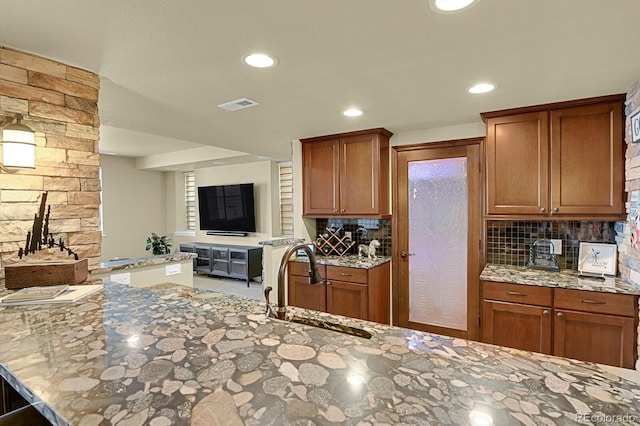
x=340 y=328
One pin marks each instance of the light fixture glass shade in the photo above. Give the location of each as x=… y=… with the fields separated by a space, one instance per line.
x=18 y=146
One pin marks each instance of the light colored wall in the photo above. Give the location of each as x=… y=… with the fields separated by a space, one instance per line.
x=134 y=206
x=152 y=275
x=260 y=174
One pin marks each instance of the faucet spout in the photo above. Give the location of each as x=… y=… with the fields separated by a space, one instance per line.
x=314 y=275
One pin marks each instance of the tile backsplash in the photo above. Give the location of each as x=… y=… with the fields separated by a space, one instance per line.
x=362 y=232
x=508 y=241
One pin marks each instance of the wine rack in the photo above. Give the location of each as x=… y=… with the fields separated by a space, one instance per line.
x=333 y=242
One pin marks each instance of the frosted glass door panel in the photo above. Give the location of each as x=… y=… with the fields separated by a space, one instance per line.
x=438 y=226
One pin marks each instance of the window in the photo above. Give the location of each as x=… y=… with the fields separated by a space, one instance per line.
x=286 y=197
x=190 y=199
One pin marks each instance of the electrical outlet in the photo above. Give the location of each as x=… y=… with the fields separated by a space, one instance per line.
x=174 y=269
x=124 y=278
x=557 y=246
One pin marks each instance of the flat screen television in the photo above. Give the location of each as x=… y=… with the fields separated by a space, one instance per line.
x=227 y=208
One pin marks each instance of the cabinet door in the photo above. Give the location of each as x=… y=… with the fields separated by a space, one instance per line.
x=347 y=299
x=517 y=326
x=220 y=261
x=587 y=162
x=360 y=180
x=606 y=339
x=517 y=164
x=238 y=263
x=320 y=178
x=304 y=295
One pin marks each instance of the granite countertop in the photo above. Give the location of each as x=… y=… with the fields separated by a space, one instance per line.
x=279 y=242
x=566 y=278
x=351 y=261
x=171 y=355
x=140 y=262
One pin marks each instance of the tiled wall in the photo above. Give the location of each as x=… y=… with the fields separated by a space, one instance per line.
x=508 y=241
x=362 y=232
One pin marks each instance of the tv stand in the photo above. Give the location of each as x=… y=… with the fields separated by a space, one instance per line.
x=228 y=233
x=229 y=261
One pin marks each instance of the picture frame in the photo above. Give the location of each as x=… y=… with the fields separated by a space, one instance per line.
x=597 y=259
x=635 y=127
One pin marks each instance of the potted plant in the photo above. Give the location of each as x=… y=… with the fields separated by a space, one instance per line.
x=158 y=245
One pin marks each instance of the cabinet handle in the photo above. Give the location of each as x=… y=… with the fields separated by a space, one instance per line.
x=516 y=293
x=345 y=275
x=342 y=211
x=556 y=210
x=593 y=302
x=542 y=210
x=545 y=312
x=328 y=282
x=560 y=315
x=335 y=210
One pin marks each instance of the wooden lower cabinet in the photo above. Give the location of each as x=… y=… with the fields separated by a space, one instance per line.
x=351 y=292
x=605 y=339
x=583 y=325
x=518 y=326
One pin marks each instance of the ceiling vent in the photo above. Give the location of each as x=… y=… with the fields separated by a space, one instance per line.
x=238 y=104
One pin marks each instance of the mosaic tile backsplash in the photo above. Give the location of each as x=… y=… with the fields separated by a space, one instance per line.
x=362 y=232
x=508 y=241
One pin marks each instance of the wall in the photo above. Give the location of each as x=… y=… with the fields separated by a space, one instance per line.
x=629 y=257
x=134 y=206
x=59 y=103
x=265 y=182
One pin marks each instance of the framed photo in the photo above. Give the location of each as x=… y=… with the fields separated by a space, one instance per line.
x=597 y=258
x=635 y=127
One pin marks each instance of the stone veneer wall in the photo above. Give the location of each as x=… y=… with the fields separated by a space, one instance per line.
x=629 y=258
x=60 y=103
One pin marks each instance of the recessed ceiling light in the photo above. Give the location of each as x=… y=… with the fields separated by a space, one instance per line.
x=263 y=157
x=260 y=60
x=451 y=6
x=353 y=112
x=481 y=88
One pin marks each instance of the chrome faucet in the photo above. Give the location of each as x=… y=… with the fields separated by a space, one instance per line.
x=314 y=278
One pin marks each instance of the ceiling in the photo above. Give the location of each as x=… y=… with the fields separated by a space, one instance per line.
x=165 y=65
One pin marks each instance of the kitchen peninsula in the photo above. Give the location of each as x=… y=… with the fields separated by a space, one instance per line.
x=172 y=355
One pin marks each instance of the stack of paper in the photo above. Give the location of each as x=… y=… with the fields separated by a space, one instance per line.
x=50 y=294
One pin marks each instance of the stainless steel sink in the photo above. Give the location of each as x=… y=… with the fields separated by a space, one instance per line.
x=340 y=328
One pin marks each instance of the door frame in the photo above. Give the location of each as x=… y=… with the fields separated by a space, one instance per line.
x=476 y=227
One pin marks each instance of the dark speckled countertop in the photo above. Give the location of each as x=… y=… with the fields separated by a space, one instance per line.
x=171 y=355
x=565 y=279
x=351 y=261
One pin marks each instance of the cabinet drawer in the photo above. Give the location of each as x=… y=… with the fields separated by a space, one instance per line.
x=299 y=268
x=517 y=293
x=341 y=273
x=593 y=301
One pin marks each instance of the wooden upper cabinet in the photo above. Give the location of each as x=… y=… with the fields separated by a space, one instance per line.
x=320 y=164
x=587 y=167
x=346 y=174
x=562 y=160
x=517 y=164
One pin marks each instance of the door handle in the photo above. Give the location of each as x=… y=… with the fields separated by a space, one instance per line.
x=405 y=254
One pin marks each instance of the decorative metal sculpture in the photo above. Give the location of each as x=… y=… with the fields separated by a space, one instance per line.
x=39 y=237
